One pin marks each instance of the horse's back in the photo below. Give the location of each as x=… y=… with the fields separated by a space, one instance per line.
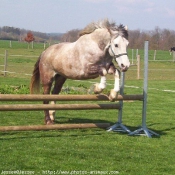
x=55 y=54
x=78 y=60
x=62 y=59
x=56 y=49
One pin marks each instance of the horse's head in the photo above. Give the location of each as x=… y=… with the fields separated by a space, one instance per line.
x=118 y=47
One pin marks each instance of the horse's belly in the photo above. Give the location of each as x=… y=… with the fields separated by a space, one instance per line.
x=81 y=75
x=79 y=71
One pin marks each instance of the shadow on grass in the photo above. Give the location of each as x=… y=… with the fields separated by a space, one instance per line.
x=10 y=135
x=66 y=120
x=15 y=135
x=159 y=132
x=162 y=131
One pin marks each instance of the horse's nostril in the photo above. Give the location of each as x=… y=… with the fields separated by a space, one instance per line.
x=122 y=65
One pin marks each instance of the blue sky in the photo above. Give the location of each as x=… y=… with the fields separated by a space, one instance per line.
x=64 y=15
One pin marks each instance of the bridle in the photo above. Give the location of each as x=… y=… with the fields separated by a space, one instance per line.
x=114 y=55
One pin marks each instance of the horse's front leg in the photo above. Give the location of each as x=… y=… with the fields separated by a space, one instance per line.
x=98 y=88
x=114 y=92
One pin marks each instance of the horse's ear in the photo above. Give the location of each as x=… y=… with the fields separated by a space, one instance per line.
x=126 y=27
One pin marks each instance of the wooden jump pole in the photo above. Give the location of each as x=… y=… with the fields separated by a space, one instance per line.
x=54 y=127
x=39 y=97
x=37 y=107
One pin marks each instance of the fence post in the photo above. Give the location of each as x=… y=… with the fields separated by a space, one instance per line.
x=5 y=62
x=138 y=67
x=154 y=55
x=173 y=56
x=32 y=44
x=10 y=44
x=132 y=57
x=137 y=52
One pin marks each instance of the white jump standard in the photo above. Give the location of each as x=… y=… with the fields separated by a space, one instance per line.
x=143 y=130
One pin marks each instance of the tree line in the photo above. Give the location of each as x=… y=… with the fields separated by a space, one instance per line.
x=17 y=34
x=159 y=39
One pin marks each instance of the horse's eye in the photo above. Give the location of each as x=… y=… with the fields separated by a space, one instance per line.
x=116 y=45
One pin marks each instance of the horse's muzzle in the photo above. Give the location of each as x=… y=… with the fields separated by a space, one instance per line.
x=124 y=68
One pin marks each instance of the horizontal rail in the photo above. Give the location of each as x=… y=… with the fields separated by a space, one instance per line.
x=39 y=97
x=54 y=127
x=26 y=56
x=37 y=107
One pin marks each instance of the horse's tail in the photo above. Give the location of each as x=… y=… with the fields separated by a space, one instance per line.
x=35 y=80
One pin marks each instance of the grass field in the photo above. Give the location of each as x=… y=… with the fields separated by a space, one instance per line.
x=92 y=151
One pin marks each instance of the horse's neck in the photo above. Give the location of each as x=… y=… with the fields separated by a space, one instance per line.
x=101 y=36
x=102 y=39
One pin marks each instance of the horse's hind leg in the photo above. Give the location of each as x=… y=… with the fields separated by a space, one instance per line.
x=59 y=81
x=46 y=90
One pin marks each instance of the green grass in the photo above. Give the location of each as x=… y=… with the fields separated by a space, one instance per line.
x=93 y=149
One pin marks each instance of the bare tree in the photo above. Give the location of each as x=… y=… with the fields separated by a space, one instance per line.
x=134 y=36
x=70 y=36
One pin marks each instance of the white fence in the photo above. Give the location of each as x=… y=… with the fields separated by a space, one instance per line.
x=5 y=67
x=9 y=66
x=155 y=56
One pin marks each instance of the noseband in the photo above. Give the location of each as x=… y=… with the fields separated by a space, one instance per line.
x=116 y=56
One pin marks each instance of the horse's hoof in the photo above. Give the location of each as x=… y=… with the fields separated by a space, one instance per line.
x=97 y=90
x=52 y=114
x=113 y=95
x=49 y=122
